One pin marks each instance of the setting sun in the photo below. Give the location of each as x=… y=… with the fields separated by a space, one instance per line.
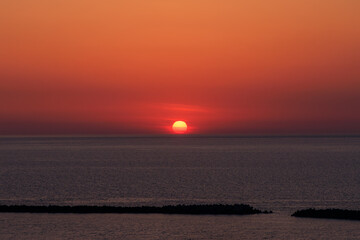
x=179 y=127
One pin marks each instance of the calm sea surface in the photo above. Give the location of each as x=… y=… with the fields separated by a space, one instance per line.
x=279 y=174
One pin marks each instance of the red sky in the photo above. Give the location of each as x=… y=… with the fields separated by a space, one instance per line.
x=224 y=67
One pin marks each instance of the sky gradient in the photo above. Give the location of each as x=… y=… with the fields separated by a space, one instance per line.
x=135 y=67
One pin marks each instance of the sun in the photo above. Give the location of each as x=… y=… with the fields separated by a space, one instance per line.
x=179 y=127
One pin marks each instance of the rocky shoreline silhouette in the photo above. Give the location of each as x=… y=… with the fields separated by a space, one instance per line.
x=328 y=213
x=209 y=209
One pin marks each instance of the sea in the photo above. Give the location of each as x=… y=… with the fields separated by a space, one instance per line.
x=280 y=173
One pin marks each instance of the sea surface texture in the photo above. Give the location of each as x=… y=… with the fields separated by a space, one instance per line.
x=282 y=174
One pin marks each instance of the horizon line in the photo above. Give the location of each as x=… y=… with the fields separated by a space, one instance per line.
x=180 y=135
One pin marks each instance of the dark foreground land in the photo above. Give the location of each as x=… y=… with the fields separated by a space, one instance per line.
x=213 y=209
x=328 y=213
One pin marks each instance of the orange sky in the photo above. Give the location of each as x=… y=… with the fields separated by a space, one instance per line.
x=223 y=66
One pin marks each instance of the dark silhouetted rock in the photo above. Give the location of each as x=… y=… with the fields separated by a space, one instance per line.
x=213 y=209
x=328 y=213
